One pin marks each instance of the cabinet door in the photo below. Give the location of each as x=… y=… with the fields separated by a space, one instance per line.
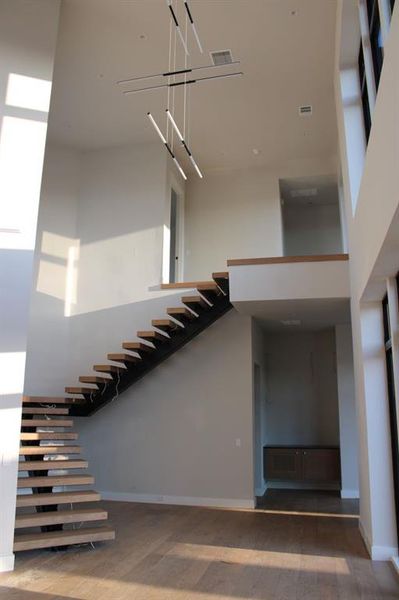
x=321 y=465
x=283 y=463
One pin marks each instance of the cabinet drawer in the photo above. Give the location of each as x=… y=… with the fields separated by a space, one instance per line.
x=321 y=465
x=282 y=463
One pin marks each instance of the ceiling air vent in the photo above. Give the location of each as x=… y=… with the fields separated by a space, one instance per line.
x=222 y=57
x=305 y=111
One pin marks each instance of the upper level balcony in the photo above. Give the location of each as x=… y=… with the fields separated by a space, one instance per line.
x=313 y=277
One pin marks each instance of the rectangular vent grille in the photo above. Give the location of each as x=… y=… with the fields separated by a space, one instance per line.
x=222 y=57
x=305 y=111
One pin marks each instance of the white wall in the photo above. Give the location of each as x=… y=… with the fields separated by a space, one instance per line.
x=302 y=399
x=183 y=434
x=27 y=46
x=231 y=214
x=371 y=205
x=237 y=214
x=124 y=203
x=312 y=229
x=289 y=281
x=347 y=412
x=55 y=274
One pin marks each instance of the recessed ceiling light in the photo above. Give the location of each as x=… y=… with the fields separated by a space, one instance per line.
x=294 y=13
x=143 y=36
x=256 y=151
x=291 y=322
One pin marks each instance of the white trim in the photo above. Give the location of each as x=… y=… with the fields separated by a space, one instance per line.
x=377 y=553
x=7 y=562
x=179 y=500
x=395 y=562
x=261 y=491
x=302 y=485
x=349 y=494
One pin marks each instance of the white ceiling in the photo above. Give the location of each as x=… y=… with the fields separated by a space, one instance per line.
x=313 y=314
x=325 y=190
x=287 y=53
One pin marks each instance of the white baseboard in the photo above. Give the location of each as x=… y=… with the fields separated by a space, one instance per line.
x=178 y=500
x=349 y=494
x=378 y=553
x=7 y=562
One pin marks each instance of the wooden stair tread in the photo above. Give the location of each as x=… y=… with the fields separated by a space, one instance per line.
x=181 y=311
x=220 y=275
x=95 y=379
x=54 y=480
x=166 y=325
x=137 y=347
x=211 y=287
x=195 y=301
x=48 y=435
x=51 y=465
x=29 y=410
x=124 y=358
x=183 y=285
x=46 y=423
x=152 y=335
x=50 y=400
x=60 y=517
x=80 y=390
x=62 y=538
x=48 y=450
x=56 y=498
x=109 y=368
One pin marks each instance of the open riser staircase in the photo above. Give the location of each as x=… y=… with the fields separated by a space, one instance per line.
x=51 y=517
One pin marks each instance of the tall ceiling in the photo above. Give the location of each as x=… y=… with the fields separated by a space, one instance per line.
x=286 y=48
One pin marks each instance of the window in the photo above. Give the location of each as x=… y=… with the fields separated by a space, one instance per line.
x=364 y=94
x=376 y=44
x=392 y=405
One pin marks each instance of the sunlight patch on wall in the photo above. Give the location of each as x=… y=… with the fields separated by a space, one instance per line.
x=71 y=283
x=28 y=92
x=22 y=144
x=58 y=269
x=12 y=368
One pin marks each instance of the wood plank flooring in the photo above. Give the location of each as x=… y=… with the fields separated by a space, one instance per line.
x=182 y=553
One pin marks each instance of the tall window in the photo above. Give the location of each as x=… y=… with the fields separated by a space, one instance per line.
x=376 y=44
x=392 y=406
x=364 y=94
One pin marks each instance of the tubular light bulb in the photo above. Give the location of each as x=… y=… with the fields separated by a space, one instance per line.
x=175 y=127
x=159 y=132
x=180 y=169
x=196 y=167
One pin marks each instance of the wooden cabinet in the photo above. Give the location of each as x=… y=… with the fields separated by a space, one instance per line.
x=302 y=463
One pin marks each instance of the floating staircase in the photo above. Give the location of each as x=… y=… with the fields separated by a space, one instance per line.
x=153 y=346
x=49 y=517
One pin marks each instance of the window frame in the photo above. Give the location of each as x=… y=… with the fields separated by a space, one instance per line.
x=391 y=397
x=364 y=93
x=376 y=41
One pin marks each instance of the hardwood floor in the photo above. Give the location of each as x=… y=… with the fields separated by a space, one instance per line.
x=179 y=553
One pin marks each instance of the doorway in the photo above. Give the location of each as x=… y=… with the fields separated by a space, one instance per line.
x=173 y=248
x=173 y=240
x=258 y=446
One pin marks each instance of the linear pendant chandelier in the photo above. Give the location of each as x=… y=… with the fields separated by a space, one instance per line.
x=176 y=78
